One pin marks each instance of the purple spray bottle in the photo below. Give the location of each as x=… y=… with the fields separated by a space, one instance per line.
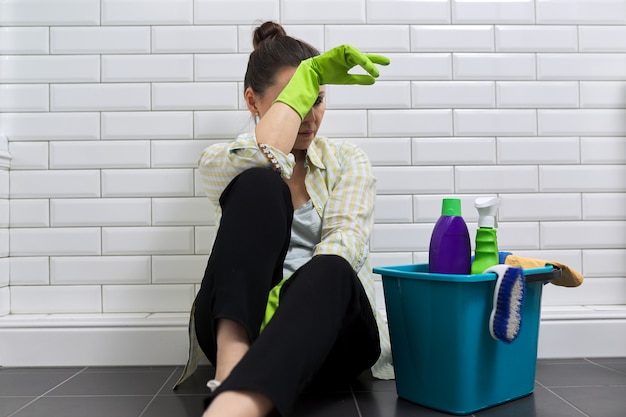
x=450 y=247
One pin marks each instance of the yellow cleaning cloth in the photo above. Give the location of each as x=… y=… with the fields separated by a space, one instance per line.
x=569 y=276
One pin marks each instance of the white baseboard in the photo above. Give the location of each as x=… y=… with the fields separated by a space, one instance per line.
x=93 y=340
x=93 y=346
x=582 y=339
x=162 y=339
x=582 y=331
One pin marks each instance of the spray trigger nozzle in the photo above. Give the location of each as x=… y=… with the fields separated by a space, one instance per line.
x=487 y=210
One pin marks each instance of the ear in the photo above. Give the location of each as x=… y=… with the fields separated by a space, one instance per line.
x=251 y=101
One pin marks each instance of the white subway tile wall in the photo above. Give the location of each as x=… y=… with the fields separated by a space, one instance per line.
x=50 y=299
x=107 y=105
x=455 y=38
x=24 y=97
x=388 y=38
x=16 y=41
x=68 y=270
x=602 y=38
x=50 y=13
x=29 y=213
x=5 y=210
x=50 y=126
x=50 y=68
x=30 y=270
x=583 y=12
x=493 y=11
x=28 y=155
x=4 y=185
x=176 y=269
x=99 y=40
x=99 y=97
x=408 y=12
x=142 y=12
x=536 y=38
x=4 y=242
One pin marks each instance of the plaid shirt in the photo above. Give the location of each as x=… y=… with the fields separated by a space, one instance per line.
x=342 y=188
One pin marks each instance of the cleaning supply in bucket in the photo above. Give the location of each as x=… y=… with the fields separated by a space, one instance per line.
x=450 y=246
x=505 y=320
x=486 y=240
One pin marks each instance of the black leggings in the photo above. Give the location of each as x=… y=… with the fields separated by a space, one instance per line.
x=323 y=331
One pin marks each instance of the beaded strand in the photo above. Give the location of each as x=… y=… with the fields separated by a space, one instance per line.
x=270 y=156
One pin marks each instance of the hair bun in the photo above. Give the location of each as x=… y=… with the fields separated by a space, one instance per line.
x=268 y=30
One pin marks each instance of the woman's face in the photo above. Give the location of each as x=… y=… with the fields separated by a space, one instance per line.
x=311 y=123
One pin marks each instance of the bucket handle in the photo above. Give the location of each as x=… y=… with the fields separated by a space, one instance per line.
x=545 y=276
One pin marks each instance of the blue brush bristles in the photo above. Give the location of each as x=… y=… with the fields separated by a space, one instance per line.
x=506 y=316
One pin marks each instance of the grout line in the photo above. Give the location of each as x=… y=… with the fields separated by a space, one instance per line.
x=23 y=407
x=588 y=386
x=98 y=396
x=356 y=403
x=167 y=380
x=366 y=12
x=562 y=399
x=604 y=366
x=50 y=390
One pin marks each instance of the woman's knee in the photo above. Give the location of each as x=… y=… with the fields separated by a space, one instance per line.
x=332 y=269
x=332 y=262
x=259 y=177
x=256 y=185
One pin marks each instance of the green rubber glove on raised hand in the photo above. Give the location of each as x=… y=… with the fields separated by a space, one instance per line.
x=328 y=68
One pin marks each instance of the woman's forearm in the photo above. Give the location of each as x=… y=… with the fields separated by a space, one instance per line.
x=279 y=127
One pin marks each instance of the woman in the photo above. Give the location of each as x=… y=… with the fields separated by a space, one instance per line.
x=287 y=298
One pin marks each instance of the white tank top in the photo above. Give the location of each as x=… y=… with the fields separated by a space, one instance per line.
x=306 y=232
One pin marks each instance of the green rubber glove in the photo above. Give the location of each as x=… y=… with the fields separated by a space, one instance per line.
x=328 y=68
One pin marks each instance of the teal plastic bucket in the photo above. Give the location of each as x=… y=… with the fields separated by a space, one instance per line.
x=443 y=354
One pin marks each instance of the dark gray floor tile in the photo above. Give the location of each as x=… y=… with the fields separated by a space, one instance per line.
x=101 y=406
x=597 y=401
x=542 y=403
x=564 y=361
x=194 y=385
x=30 y=384
x=366 y=382
x=614 y=363
x=609 y=359
x=336 y=404
x=39 y=370
x=103 y=369
x=175 y=405
x=113 y=383
x=387 y=404
x=577 y=375
x=311 y=403
x=9 y=405
x=576 y=387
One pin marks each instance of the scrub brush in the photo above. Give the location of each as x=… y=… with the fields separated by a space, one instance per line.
x=506 y=316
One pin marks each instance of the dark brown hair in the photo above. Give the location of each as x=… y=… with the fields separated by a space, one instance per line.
x=273 y=51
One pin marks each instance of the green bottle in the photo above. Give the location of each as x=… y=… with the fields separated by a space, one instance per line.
x=486 y=240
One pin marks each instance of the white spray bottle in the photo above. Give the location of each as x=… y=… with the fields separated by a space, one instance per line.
x=486 y=240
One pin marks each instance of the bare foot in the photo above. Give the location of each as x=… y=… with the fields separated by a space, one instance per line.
x=232 y=345
x=239 y=404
